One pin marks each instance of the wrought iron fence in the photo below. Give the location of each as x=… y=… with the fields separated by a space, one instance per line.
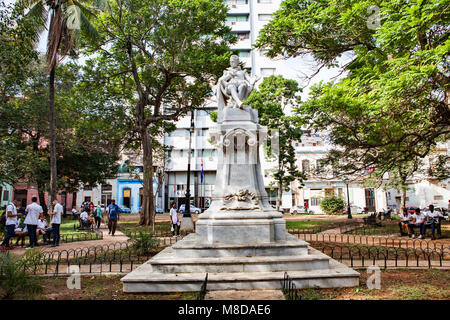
x=202 y=292
x=122 y=257
x=368 y=240
x=289 y=289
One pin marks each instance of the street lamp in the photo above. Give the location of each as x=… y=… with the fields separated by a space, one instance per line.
x=187 y=225
x=349 y=210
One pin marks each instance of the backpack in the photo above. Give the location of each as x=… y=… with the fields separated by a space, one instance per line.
x=3 y=219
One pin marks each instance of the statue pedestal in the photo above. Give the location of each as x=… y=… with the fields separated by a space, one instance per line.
x=240 y=241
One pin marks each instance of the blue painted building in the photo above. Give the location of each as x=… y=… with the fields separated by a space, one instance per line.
x=130 y=193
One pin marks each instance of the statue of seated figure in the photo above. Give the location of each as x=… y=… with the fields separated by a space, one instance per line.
x=234 y=86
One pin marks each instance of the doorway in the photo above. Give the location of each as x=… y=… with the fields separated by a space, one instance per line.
x=127 y=197
x=370 y=199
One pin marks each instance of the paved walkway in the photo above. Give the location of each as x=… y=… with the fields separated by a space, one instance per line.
x=107 y=239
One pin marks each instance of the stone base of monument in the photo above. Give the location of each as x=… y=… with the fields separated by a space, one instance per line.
x=238 y=266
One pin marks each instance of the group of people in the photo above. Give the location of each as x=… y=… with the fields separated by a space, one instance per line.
x=421 y=221
x=92 y=215
x=31 y=224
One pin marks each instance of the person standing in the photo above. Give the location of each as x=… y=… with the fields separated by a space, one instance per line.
x=113 y=217
x=58 y=210
x=174 y=220
x=33 y=211
x=98 y=216
x=11 y=222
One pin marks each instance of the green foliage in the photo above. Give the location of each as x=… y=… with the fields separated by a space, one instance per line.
x=16 y=274
x=143 y=243
x=271 y=98
x=160 y=59
x=392 y=107
x=332 y=205
x=88 y=127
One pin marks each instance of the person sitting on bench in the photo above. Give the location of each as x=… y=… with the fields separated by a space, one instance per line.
x=85 y=219
x=405 y=218
x=418 y=220
x=42 y=229
x=21 y=232
x=431 y=221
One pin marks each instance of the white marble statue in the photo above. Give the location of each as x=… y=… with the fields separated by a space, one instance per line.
x=234 y=86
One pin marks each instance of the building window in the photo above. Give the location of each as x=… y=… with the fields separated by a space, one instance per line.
x=265 y=72
x=5 y=195
x=244 y=54
x=438 y=197
x=264 y=1
x=305 y=165
x=264 y=17
x=315 y=201
x=243 y=35
x=106 y=187
x=320 y=165
x=237 y=18
x=236 y=2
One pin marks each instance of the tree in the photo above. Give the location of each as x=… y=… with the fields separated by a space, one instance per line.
x=90 y=137
x=270 y=99
x=397 y=80
x=163 y=54
x=68 y=20
x=391 y=108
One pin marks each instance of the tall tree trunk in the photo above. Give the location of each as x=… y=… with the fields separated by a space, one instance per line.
x=148 y=205
x=41 y=195
x=279 y=195
x=402 y=198
x=51 y=103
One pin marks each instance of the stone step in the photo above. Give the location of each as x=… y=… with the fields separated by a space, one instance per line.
x=168 y=264
x=194 y=246
x=149 y=281
x=146 y=279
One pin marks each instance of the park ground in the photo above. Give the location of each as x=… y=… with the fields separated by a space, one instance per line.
x=397 y=284
x=400 y=284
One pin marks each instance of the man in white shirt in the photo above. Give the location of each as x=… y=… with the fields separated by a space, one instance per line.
x=174 y=220
x=405 y=219
x=431 y=221
x=56 y=221
x=418 y=220
x=33 y=211
x=11 y=221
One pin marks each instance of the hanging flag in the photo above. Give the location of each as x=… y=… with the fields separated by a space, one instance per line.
x=201 y=173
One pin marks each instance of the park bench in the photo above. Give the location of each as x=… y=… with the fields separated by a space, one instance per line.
x=84 y=226
x=372 y=221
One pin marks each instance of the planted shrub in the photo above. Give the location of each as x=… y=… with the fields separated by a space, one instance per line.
x=16 y=274
x=143 y=243
x=332 y=205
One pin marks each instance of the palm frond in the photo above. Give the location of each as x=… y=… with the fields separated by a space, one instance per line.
x=39 y=14
x=89 y=30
